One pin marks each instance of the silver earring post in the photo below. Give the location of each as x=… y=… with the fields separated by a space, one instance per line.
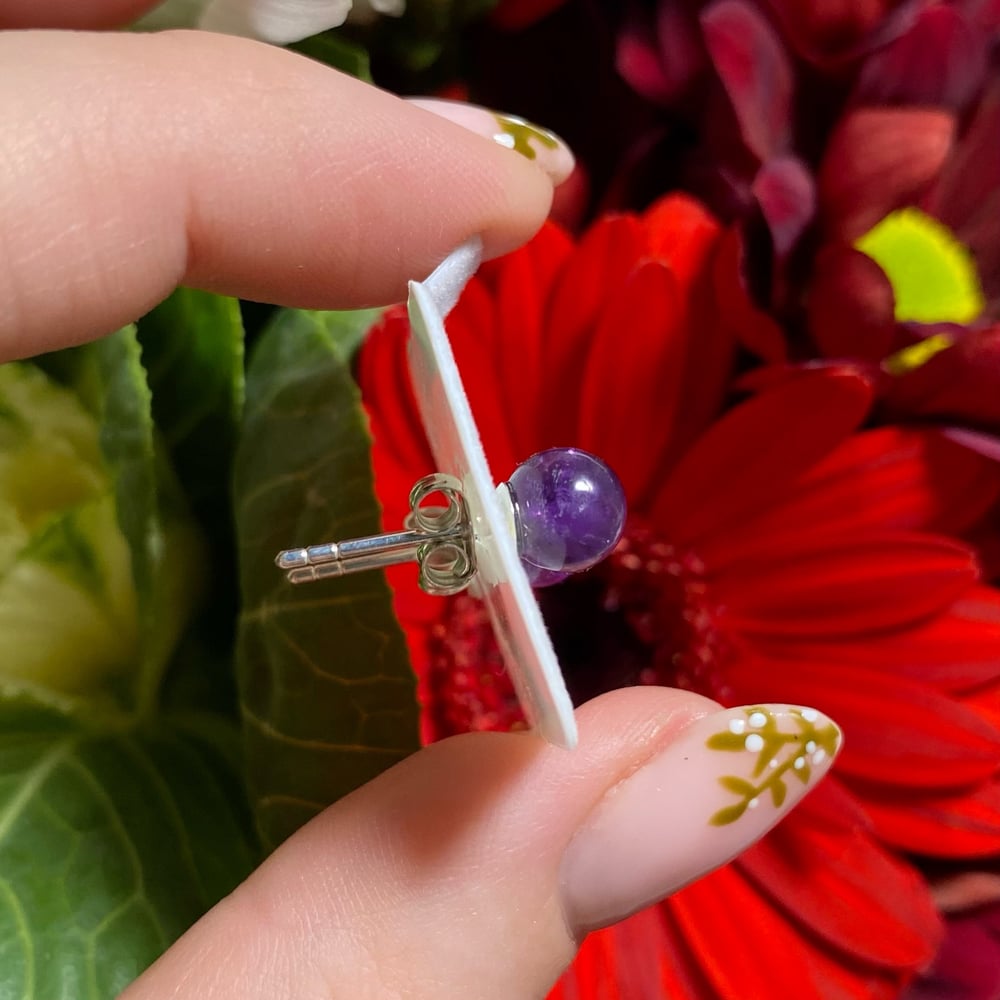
x=438 y=539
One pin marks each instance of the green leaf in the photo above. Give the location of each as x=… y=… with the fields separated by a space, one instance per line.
x=152 y=514
x=728 y=815
x=772 y=747
x=334 y=50
x=111 y=845
x=327 y=692
x=726 y=741
x=738 y=786
x=192 y=350
x=778 y=792
x=127 y=444
x=165 y=550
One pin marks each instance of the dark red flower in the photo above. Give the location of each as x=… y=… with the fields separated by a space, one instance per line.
x=811 y=126
x=515 y=14
x=774 y=551
x=968 y=965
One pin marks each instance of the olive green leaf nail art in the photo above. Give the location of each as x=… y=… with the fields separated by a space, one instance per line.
x=779 y=754
x=516 y=133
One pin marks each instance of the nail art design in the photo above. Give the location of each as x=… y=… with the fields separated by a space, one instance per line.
x=778 y=754
x=544 y=148
x=516 y=133
x=675 y=818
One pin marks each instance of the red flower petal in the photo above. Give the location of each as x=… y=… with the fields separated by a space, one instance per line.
x=824 y=879
x=751 y=326
x=640 y=342
x=938 y=62
x=877 y=160
x=784 y=190
x=828 y=33
x=513 y=15
x=961 y=825
x=682 y=234
x=601 y=263
x=953 y=652
x=756 y=451
x=637 y=58
x=521 y=290
x=885 y=479
x=754 y=69
x=968 y=192
x=475 y=356
x=851 y=305
x=897 y=733
x=839 y=587
x=961 y=383
x=739 y=935
x=641 y=958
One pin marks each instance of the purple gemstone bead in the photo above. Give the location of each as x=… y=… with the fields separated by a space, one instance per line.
x=570 y=512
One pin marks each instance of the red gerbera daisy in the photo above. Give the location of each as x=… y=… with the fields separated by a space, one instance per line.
x=774 y=552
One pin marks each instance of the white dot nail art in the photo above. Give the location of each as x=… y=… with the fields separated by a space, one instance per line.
x=737 y=726
x=754 y=743
x=757 y=720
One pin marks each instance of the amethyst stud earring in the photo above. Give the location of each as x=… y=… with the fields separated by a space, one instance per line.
x=568 y=512
x=565 y=511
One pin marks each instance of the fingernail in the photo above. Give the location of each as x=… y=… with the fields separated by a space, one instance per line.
x=715 y=790
x=537 y=144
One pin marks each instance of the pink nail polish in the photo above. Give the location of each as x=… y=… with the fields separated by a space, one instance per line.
x=540 y=145
x=719 y=787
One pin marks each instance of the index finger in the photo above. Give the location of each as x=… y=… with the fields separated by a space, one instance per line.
x=130 y=164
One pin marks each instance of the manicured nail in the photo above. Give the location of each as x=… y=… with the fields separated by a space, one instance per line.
x=719 y=787
x=538 y=144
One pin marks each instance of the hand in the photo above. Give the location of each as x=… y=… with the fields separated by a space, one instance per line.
x=131 y=164
x=134 y=163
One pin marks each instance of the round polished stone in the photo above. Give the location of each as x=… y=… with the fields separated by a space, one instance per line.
x=569 y=510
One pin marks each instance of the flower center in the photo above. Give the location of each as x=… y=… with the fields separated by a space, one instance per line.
x=642 y=616
x=467 y=687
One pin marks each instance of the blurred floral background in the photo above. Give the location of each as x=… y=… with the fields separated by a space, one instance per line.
x=769 y=297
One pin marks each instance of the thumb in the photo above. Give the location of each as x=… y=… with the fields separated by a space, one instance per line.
x=475 y=867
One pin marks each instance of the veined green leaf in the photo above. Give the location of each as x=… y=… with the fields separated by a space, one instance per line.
x=327 y=692
x=111 y=845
